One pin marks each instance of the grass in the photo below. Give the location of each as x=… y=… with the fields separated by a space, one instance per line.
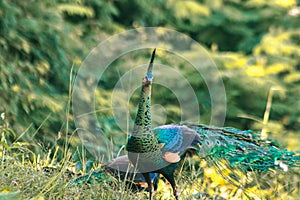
x=32 y=180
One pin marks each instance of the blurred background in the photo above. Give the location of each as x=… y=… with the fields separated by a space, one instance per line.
x=255 y=44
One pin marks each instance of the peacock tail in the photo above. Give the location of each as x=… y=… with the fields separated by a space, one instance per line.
x=244 y=148
x=97 y=176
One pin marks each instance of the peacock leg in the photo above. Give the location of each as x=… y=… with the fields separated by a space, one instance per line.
x=170 y=178
x=150 y=185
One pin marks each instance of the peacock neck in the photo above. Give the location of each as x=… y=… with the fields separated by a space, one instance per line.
x=142 y=124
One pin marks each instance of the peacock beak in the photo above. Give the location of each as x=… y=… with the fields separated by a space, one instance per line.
x=149 y=77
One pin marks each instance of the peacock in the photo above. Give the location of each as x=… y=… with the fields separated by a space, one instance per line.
x=161 y=149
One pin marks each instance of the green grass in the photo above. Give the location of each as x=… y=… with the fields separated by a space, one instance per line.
x=34 y=181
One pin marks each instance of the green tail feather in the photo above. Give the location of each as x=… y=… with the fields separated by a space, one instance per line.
x=235 y=153
x=97 y=176
x=243 y=148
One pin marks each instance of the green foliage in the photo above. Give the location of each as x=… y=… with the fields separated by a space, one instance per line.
x=34 y=52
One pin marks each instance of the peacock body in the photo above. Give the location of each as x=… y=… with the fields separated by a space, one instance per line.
x=118 y=169
x=152 y=152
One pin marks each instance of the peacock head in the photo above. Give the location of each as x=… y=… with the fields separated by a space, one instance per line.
x=149 y=77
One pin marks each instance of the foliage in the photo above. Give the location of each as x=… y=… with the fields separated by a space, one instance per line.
x=255 y=44
x=38 y=44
